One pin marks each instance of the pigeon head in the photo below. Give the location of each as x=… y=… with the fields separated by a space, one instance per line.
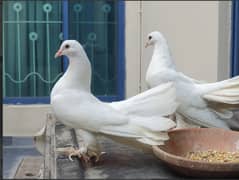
x=69 y=48
x=155 y=37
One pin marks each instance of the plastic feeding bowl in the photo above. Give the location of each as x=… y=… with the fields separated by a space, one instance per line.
x=185 y=141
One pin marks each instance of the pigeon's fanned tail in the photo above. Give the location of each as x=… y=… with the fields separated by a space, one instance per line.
x=159 y=101
x=222 y=97
x=150 y=142
x=226 y=92
x=144 y=130
x=145 y=111
x=118 y=132
x=154 y=139
x=154 y=124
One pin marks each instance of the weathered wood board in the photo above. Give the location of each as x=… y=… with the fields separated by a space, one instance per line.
x=120 y=161
x=65 y=168
x=49 y=168
x=29 y=168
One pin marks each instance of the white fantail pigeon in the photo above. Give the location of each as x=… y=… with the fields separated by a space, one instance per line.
x=137 y=121
x=203 y=104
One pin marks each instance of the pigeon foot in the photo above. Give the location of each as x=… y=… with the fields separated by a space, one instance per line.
x=81 y=153
x=71 y=151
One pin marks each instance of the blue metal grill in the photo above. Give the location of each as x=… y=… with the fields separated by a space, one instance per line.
x=34 y=30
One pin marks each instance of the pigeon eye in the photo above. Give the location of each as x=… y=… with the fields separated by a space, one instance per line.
x=150 y=37
x=67 y=46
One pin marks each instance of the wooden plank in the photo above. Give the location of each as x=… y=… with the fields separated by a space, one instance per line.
x=29 y=168
x=66 y=169
x=49 y=171
x=124 y=162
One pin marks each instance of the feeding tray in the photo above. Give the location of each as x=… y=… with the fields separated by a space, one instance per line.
x=183 y=141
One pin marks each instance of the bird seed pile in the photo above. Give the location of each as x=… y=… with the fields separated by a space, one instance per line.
x=214 y=156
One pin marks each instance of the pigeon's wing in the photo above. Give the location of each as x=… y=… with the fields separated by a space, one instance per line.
x=86 y=111
x=113 y=122
x=108 y=115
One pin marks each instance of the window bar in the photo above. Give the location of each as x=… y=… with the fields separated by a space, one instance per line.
x=92 y=58
x=91 y=37
x=65 y=29
x=3 y=51
x=17 y=8
x=235 y=39
x=34 y=66
x=47 y=9
x=121 y=50
x=33 y=38
x=106 y=10
x=77 y=8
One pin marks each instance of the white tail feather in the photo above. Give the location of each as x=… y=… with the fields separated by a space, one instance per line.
x=222 y=96
x=155 y=124
x=158 y=101
x=142 y=130
x=145 y=111
x=226 y=91
x=150 y=142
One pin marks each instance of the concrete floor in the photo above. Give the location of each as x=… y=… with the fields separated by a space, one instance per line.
x=14 y=151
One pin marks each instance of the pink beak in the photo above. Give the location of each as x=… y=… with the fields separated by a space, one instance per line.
x=146 y=45
x=58 y=53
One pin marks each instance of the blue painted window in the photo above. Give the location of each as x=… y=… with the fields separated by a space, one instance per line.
x=235 y=39
x=34 y=30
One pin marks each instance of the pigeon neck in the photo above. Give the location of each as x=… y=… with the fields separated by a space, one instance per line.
x=162 y=55
x=78 y=74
